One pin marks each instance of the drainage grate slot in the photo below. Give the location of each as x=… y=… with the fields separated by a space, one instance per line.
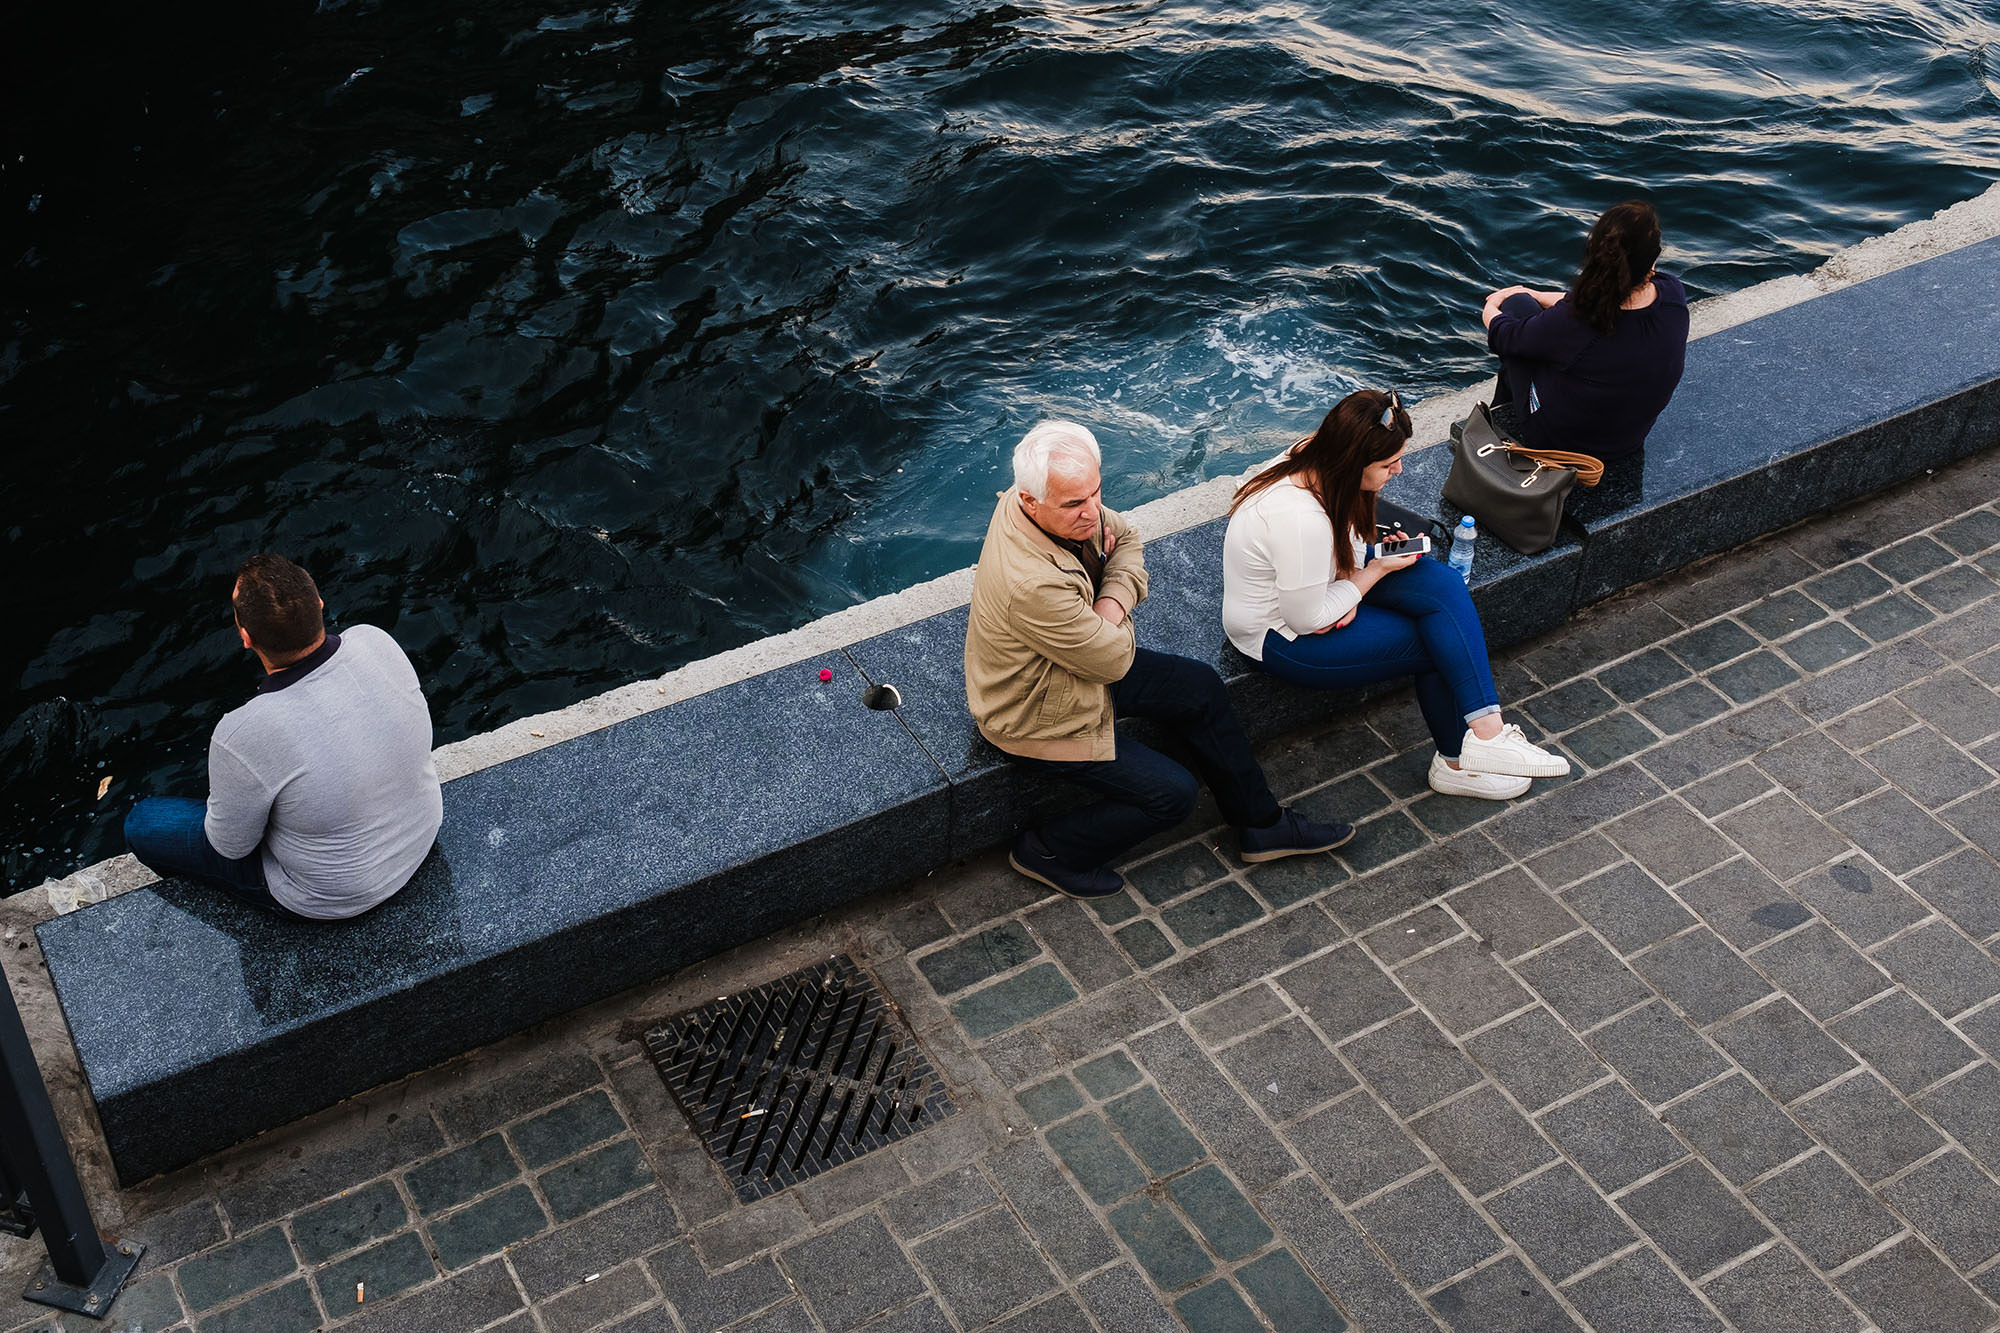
x=797 y=1076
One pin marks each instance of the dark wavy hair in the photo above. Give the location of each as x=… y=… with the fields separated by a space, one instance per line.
x=1621 y=251
x=1330 y=462
x=278 y=604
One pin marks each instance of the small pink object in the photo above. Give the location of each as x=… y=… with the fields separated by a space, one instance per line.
x=825 y=674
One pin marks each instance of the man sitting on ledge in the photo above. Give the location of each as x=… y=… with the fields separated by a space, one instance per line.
x=323 y=799
x=1051 y=663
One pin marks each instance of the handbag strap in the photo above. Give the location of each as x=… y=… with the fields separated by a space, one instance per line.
x=1589 y=470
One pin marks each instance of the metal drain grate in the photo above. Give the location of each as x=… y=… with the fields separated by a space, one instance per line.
x=797 y=1076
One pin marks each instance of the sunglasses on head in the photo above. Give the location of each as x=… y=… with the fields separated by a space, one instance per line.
x=1389 y=412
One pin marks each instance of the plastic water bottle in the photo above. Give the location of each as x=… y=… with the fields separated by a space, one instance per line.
x=1461 y=547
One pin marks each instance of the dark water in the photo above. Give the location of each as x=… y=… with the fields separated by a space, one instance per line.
x=570 y=345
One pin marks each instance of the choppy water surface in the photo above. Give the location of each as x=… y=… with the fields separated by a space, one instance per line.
x=572 y=344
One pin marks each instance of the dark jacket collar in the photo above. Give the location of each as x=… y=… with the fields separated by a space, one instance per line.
x=285 y=677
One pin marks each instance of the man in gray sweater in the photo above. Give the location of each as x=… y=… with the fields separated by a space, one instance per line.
x=323 y=799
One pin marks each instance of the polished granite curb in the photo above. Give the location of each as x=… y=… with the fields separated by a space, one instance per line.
x=574 y=872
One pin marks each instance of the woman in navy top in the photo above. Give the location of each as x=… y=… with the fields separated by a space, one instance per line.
x=1590 y=370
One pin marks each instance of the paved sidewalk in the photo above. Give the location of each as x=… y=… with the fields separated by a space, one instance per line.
x=1703 y=1037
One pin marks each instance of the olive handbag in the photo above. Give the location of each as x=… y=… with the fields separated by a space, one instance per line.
x=1513 y=492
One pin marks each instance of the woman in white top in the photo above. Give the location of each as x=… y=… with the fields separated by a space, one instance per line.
x=1300 y=596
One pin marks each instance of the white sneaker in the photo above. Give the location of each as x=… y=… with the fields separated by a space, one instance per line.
x=1510 y=752
x=1463 y=782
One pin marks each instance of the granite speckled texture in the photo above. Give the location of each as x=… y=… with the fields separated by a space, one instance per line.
x=1786 y=415
x=560 y=878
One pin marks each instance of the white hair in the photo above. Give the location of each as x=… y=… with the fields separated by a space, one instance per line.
x=1040 y=449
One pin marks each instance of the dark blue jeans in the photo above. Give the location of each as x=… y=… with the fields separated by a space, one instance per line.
x=165 y=833
x=1416 y=622
x=1145 y=792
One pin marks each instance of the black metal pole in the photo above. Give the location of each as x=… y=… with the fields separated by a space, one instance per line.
x=84 y=1272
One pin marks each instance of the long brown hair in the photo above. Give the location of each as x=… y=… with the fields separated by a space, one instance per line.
x=1621 y=251
x=1330 y=461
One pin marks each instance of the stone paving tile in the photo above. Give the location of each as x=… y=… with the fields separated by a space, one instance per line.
x=1287 y=1295
x=1501 y=1298
x=1903 y=1042
x=1510 y=913
x=1742 y=903
x=1783 y=836
x=852 y=1273
x=1254 y=955
x=1287 y=1070
x=1049 y=1102
x=272 y=1194
x=706 y=1303
x=1237 y=1014
x=1737 y=1129
x=1411 y=1063
x=1953 y=1202
x=1560 y=1222
x=486 y=1227
x=1462 y=986
x=347 y=1222
x=1641 y=1292
x=1957 y=705
x=229 y=1271
x=1068 y=1231
x=559 y=1259
x=1969 y=1109
x=1356 y=1147
x=1583 y=981
x=1893 y=829
x=1536 y=1059
x=1016 y=1000
x=1627 y=907
x=1483 y=1141
x=1773 y=1292
x=1072 y=934
x=1574 y=860
x=286 y=1309
x=1818 y=771
x=1612 y=1137
x=985 y=1267
x=1657 y=1052
x=1217 y=1112
x=1694 y=1217
x=1094 y=1156
x=1122 y=1302
x=381 y=1271
x=1220 y=1213
x=1702 y=976
x=1965 y=888
x=987 y=954
x=1726 y=790
x=1871 y=1129
x=1168 y=876
x=1164 y=1247
x=1335 y=1252
x=1907 y=1289
x=1145 y=944
x=1428 y=1230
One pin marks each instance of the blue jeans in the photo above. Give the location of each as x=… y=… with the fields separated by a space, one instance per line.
x=1416 y=622
x=165 y=833
x=1145 y=792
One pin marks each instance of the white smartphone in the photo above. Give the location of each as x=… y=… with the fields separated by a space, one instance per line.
x=1408 y=546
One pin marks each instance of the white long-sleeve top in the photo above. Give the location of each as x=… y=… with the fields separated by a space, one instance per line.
x=1278 y=569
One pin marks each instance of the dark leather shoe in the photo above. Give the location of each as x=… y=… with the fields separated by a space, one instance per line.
x=1292 y=835
x=1035 y=861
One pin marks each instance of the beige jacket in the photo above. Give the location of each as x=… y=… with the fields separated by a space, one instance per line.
x=1039 y=662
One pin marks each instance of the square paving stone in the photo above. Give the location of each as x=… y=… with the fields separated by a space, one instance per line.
x=1049 y=1102
x=1462 y=986
x=1217 y=1308
x=1355 y=1147
x=1907 y=1289
x=1694 y=1218
x=386 y=1269
x=1344 y=991
x=1784 y=1050
x=1648 y=673
x=1215 y=912
x=1726 y=790
x=1669 y=840
x=1511 y=913
x=1712 y=645
x=1571 y=862
x=1585 y=803
x=1145 y=943
x=1381 y=840
x=1886 y=617
x=1118 y=907
x=1168 y=876
x=1954 y=1203
x=1012 y=1002
x=1569 y=705
x=1406 y=774
x=576 y=1187
x=1077 y=938
x=1941 y=965
x=1500 y=1298
x=1824 y=646
x=1210 y=1103
x=463 y=1174
x=1865 y=904
x=1871 y=1128
x=1163 y=1247
x=1741 y=1132
x=1847 y=585
x=1782 y=613
x=1905 y=1043
x=1483 y=1141
x=568 y=1129
x=1612 y=1137
x=1954 y=589
x=1773 y=1292
x=1237 y=1014
x=1928 y=768
x=1909 y=560
x=286 y=1309
x=852 y=1273
x=1297 y=878
x=1786 y=839
x=223 y=1274
x=1069 y=1231
x=485 y=1227
x=1411 y=1063
x=1700 y=973
x=1288 y=1296
x=1560 y=1221
x=1409 y=936
x=1287 y=1069
x=1536 y=1058
x=1657 y=1052
x=1753 y=677
x=1346 y=801
x=1857 y=731
x=1977 y=817
x=1743 y=904
x=1639 y=1292
x=1972 y=534
x=1890 y=827
x=1826 y=1212
x=1683 y=707
x=1125 y=1302
x=1983 y=1028
x=1956 y=705
x=1865 y=679
x=1969 y=1109
x=985 y=1267
x=1583 y=981
x=1155 y=1132
x=926 y=1207
x=1108 y=1075
x=341 y=1224
x=1446 y=815
x=1428 y=1230
x=1219 y=1211
x=1608 y=740
x=1104 y=1169
x=1818 y=771
x=1254 y=955
x=1627 y=907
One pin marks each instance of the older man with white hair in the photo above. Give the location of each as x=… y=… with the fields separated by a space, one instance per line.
x=1051 y=664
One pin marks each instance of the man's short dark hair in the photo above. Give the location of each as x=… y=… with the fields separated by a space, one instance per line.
x=278 y=604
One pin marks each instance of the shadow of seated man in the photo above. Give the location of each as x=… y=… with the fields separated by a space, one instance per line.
x=323 y=799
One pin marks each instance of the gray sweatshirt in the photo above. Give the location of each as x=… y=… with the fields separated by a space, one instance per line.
x=330 y=776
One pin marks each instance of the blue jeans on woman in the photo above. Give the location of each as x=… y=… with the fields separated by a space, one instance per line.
x=1145 y=792
x=166 y=834
x=1415 y=622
